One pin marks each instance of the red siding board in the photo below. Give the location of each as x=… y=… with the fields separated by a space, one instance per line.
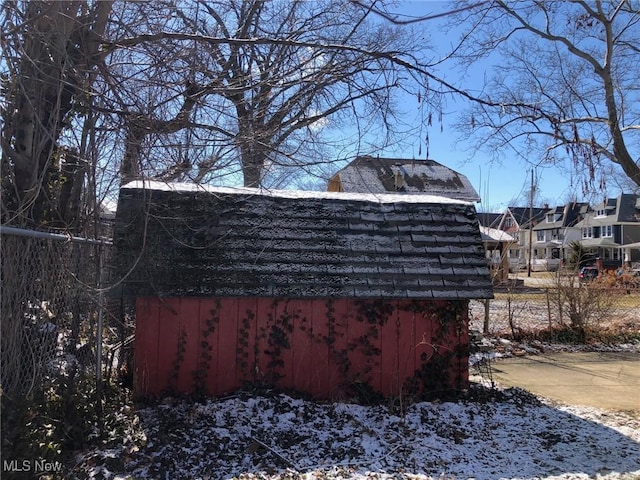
x=357 y=362
x=209 y=366
x=463 y=340
x=146 y=345
x=287 y=315
x=247 y=333
x=336 y=329
x=319 y=366
x=417 y=338
x=190 y=337
x=302 y=344
x=263 y=312
x=406 y=344
x=390 y=359
x=325 y=348
x=228 y=373
x=168 y=327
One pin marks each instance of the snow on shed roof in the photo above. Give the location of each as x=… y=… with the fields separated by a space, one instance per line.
x=382 y=197
x=246 y=242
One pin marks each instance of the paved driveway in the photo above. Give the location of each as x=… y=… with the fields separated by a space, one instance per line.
x=609 y=381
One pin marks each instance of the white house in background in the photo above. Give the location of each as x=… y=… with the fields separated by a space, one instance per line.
x=553 y=235
x=515 y=221
x=612 y=229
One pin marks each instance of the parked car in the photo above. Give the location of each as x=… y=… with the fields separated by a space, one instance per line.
x=587 y=274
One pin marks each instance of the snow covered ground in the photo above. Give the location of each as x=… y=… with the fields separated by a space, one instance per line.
x=489 y=435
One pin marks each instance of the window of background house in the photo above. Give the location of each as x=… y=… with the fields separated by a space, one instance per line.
x=587 y=232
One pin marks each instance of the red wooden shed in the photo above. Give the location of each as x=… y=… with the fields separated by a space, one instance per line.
x=331 y=294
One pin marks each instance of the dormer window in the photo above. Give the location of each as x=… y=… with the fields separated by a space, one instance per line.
x=553 y=217
x=601 y=212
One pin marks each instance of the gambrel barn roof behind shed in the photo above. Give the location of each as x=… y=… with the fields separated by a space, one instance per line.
x=402 y=176
x=188 y=240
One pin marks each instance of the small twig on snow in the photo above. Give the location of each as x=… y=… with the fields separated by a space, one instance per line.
x=353 y=463
x=276 y=453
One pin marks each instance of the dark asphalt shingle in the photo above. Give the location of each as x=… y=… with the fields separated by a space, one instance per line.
x=221 y=243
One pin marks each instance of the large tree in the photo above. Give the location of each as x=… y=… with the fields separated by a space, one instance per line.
x=564 y=83
x=191 y=90
x=261 y=81
x=50 y=53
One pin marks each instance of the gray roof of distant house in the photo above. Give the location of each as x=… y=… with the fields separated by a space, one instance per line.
x=623 y=209
x=223 y=242
x=629 y=208
x=379 y=175
x=523 y=215
x=491 y=220
x=571 y=214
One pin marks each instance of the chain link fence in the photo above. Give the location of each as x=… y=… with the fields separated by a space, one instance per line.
x=525 y=311
x=60 y=332
x=51 y=303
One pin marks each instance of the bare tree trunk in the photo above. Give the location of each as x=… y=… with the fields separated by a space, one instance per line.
x=52 y=62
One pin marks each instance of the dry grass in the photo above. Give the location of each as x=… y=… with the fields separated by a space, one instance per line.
x=529 y=313
x=621 y=297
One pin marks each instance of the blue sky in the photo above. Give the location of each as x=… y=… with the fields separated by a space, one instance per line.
x=499 y=184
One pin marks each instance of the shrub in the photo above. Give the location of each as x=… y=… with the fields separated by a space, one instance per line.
x=582 y=303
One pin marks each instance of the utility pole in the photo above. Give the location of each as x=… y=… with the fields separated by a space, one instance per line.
x=530 y=225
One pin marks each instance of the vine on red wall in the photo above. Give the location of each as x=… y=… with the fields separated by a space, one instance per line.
x=206 y=352
x=433 y=378
x=351 y=334
x=180 y=353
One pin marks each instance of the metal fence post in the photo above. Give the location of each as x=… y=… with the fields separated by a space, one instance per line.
x=485 y=326
x=100 y=318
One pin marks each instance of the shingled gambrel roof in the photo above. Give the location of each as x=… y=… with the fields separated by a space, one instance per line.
x=247 y=242
x=401 y=175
